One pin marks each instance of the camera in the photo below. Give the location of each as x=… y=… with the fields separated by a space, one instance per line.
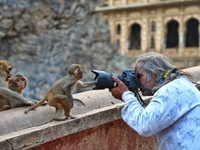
x=104 y=80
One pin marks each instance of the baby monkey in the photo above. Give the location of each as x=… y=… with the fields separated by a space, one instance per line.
x=60 y=93
x=17 y=84
x=6 y=94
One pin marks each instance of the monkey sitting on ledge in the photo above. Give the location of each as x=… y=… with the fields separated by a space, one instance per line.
x=60 y=93
x=17 y=84
x=5 y=93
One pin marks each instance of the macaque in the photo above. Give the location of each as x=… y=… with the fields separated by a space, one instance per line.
x=60 y=93
x=17 y=84
x=5 y=93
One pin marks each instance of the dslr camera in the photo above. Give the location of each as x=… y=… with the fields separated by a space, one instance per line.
x=104 y=80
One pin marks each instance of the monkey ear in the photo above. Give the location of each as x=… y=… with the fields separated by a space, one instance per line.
x=10 y=81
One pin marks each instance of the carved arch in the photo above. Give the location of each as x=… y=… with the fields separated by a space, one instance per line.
x=186 y=18
x=166 y=20
x=172 y=34
x=134 y=37
x=130 y=23
x=192 y=32
x=118 y=28
x=152 y=31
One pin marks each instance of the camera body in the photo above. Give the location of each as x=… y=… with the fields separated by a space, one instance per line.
x=104 y=80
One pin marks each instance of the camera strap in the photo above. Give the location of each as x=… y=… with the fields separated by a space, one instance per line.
x=141 y=101
x=167 y=74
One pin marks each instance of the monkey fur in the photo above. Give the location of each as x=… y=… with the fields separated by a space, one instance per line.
x=5 y=93
x=17 y=84
x=13 y=83
x=60 y=93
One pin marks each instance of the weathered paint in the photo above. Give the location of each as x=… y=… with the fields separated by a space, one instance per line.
x=116 y=135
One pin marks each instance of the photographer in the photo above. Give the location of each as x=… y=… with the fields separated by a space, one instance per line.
x=173 y=113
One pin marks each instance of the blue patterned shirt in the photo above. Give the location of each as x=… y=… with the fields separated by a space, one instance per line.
x=173 y=114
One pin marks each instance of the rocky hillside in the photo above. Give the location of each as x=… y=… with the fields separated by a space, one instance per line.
x=41 y=38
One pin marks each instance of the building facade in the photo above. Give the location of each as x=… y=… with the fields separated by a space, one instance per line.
x=171 y=27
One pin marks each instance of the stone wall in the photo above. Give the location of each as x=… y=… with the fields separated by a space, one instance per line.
x=41 y=38
x=100 y=126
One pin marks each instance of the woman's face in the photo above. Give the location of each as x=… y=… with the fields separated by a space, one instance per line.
x=146 y=80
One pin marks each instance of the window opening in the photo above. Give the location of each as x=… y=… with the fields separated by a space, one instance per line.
x=192 y=34
x=172 y=34
x=135 y=39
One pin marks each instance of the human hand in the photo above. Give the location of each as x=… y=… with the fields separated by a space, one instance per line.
x=119 y=89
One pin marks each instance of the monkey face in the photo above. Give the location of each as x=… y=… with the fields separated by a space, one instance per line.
x=20 y=83
x=9 y=74
x=17 y=83
x=6 y=68
x=78 y=73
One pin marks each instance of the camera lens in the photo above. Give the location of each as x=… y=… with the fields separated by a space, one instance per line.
x=104 y=80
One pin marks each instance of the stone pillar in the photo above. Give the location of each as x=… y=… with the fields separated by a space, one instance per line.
x=181 y=36
x=110 y=2
x=124 y=2
x=160 y=33
x=181 y=43
x=123 y=38
x=163 y=42
x=144 y=30
x=112 y=28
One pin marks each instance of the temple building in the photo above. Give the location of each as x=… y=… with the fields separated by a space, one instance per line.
x=171 y=27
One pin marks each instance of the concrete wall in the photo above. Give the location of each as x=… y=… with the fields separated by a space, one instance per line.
x=100 y=126
x=115 y=135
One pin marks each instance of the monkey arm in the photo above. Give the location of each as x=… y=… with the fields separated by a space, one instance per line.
x=68 y=88
x=9 y=94
x=69 y=85
x=81 y=84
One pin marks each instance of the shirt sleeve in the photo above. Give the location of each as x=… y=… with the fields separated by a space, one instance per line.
x=132 y=112
x=165 y=108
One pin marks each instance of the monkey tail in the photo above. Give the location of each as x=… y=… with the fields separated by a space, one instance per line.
x=35 y=106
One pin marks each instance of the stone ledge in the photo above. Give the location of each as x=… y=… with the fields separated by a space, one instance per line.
x=33 y=136
x=14 y=119
x=21 y=131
